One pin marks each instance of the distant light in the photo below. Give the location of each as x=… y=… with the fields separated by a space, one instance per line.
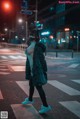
x=58 y=41
x=67 y=37
x=63 y=40
x=6 y=29
x=3 y=38
x=70 y=37
x=51 y=8
x=23 y=39
x=16 y=37
x=51 y=37
x=20 y=20
x=7 y=6
x=77 y=36
x=45 y=33
x=74 y=36
x=66 y=29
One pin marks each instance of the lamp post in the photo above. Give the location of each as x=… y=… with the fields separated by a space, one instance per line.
x=77 y=41
x=20 y=21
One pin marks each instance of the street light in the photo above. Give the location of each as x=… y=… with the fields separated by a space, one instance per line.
x=20 y=20
x=7 y=6
x=6 y=29
x=66 y=29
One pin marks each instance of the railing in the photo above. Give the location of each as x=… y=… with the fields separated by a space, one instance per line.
x=57 y=51
x=16 y=46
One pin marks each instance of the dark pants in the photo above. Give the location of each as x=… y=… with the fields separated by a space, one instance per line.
x=40 y=91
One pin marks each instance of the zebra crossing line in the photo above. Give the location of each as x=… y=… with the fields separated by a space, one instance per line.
x=66 y=89
x=3 y=57
x=12 y=57
x=24 y=85
x=28 y=112
x=73 y=65
x=77 y=81
x=73 y=106
x=4 y=70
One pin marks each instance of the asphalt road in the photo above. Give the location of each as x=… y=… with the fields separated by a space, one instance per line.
x=62 y=90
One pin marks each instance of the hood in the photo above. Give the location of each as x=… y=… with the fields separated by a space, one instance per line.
x=42 y=46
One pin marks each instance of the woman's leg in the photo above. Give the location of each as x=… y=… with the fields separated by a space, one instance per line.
x=31 y=90
x=42 y=95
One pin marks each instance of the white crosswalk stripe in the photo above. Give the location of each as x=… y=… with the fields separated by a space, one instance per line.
x=77 y=81
x=66 y=89
x=73 y=65
x=13 y=57
x=24 y=85
x=72 y=106
x=3 y=57
x=25 y=112
x=29 y=111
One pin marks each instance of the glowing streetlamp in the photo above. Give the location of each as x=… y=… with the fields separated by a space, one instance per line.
x=66 y=29
x=5 y=29
x=7 y=6
x=20 y=20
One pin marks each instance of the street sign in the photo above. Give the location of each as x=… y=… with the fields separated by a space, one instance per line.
x=24 y=4
x=28 y=12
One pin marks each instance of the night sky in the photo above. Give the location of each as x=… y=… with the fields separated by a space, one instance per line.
x=7 y=19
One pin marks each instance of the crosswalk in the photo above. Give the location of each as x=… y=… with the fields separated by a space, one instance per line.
x=50 y=63
x=29 y=111
x=7 y=57
x=73 y=106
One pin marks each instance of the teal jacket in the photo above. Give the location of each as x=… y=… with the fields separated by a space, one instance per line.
x=39 y=65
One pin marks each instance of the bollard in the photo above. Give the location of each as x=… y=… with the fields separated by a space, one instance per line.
x=72 y=53
x=56 y=53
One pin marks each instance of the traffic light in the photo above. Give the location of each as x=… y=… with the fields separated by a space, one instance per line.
x=39 y=25
x=6 y=6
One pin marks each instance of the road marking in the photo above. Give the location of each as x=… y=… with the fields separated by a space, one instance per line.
x=4 y=73
x=24 y=85
x=4 y=69
x=25 y=112
x=21 y=57
x=17 y=68
x=1 y=97
x=64 y=88
x=4 y=57
x=77 y=81
x=72 y=106
x=12 y=57
x=73 y=65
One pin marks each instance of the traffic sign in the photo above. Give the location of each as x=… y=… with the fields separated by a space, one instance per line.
x=29 y=12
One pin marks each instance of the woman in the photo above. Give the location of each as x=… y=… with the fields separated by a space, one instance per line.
x=36 y=72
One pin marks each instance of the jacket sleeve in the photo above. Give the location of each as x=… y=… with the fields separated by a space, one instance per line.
x=42 y=59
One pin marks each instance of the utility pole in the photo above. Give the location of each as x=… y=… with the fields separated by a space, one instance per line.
x=77 y=41
x=36 y=11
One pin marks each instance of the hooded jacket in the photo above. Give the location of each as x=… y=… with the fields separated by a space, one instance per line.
x=39 y=64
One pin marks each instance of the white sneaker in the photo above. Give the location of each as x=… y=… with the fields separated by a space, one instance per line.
x=27 y=101
x=44 y=109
